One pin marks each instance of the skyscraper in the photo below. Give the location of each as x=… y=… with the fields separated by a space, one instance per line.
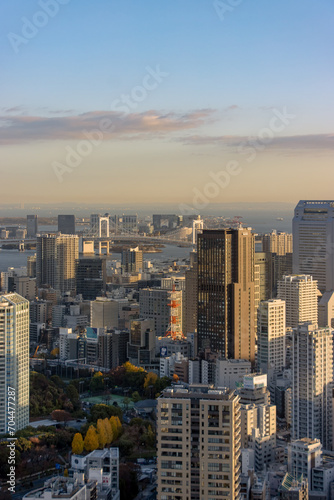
x=312 y=383
x=226 y=301
x=56 y=261
x=198 y=444
x=300 y=294
x=14 y=359
x=313 y=241
x=66 y=224
x=32 y=225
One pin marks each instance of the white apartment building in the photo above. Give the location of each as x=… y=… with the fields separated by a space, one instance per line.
x=300 y=293
x=14 y=360
x=312 y=383
x=271 y=337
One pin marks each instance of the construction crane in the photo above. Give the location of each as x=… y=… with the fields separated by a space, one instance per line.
x=174 y=327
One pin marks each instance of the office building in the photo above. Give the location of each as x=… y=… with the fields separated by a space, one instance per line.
x=141 y=346
x=32 y=226
x=313 y=236
x=254 y=390
x=198 y=444
x=262 y=263
x=56 y=261
x=91 y=276
x=300 y=294
x=230 y=372
x=14 y=359
x=226 y=300
x=154 y=303
x=190 y=300
x=23 y=285
x=271 y=337
x=104 y=312
x=66 y=224
x=132 y=260
x=312 y=383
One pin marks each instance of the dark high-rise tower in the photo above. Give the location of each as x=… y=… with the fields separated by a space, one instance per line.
x=32 y=225
x=226 y=305
x=66 y=224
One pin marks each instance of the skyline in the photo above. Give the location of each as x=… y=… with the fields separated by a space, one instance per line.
x=141 y=91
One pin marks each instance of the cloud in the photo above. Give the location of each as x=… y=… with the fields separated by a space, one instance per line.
x=18 y=129
x=293 y=142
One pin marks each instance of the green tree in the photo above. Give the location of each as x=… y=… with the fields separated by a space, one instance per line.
x=135 y=397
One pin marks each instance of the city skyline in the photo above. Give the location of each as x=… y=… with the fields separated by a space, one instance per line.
x=169 y=97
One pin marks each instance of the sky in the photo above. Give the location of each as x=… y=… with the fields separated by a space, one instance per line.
x=180 y=101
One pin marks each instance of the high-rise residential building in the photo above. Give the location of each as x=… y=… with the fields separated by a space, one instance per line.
x=14 y=360
x=271 y=337
x=132 y=260
x=313 y=237
x=278 y=243
x=32 y=226
x=66 y=224
x=91 y=277
x=56 y=259
x=300 y=293
x=226 y=298
x=155 y=304
x=312 y=383
x=198 y=444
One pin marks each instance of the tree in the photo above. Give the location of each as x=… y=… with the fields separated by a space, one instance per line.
x=129 y=367
x=135 y=397
x=175 y=378
x=116 y=427
x=103 y=411
x=55 y=352
x=65 y=473
x=101 y=433
x=126 y=402
x=97 y=382
x=77 y=444
x=150 y=379
x=91 y=441
x=61 y=416
x=108 y=429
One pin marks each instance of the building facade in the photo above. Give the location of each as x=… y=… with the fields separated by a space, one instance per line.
x=14 y=361
x=198 y=444
x=226 y=292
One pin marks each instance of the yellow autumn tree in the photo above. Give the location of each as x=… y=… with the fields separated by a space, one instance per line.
x=77 y=444
x=116 y=427
x=108 y=429
x=101 y=433
x=91 y=441
x=150 y=379
x=129 y=367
